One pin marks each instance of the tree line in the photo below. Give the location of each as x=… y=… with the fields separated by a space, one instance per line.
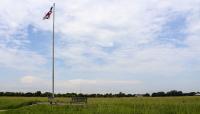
x=120 y=94
x=174 y=93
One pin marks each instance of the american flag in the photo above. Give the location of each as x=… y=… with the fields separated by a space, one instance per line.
x=48 y=15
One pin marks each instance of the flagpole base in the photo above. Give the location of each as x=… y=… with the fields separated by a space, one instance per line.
x=52 y=100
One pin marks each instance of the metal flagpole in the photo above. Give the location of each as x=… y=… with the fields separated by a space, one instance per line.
x=53 y=52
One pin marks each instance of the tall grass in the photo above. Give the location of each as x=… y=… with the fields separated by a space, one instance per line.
x=166 y=105
x=17 y=102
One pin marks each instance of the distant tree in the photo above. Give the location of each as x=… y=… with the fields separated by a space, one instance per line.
x=29 y=94
x=46 y=94
x=130 y=95
x=99 y=95
x=38 y=93
x=146 y=95
x=120 y=94
x=9 y=94
x=92 y=95
x=158 y=94
x=108 y=95
x=1 y=93
x=174 y=93
x=81 y=95
x=190 y=94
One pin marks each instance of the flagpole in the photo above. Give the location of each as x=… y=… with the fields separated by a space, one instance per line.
x=53 y=51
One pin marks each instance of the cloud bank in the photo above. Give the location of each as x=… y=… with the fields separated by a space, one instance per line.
x=111 y=40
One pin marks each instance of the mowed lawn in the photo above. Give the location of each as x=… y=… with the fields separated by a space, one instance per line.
x=165 y=105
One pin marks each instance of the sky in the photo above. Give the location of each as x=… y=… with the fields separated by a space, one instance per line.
x=106 y=46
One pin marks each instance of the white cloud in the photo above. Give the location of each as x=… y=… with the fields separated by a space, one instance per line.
x=128 y=29
x=78 y=82
x=34 y=83
x=29 y=80
x=21 y=59
x=97 y=85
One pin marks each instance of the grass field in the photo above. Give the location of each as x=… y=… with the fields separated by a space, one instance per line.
x=167 y=105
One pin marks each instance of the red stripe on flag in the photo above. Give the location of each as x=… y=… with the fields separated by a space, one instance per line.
x=48 y=15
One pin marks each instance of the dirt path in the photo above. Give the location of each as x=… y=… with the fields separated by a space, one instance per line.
x=42 y=103
x=3 y=110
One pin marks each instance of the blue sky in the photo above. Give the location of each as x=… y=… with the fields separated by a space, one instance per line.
x=132 y=46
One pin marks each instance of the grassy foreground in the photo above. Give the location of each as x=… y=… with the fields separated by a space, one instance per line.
x=166 y=105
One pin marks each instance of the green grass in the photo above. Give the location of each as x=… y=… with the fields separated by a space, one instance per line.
x=166 y=105
x=17 y=102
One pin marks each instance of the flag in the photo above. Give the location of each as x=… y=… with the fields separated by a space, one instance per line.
x=48 y=15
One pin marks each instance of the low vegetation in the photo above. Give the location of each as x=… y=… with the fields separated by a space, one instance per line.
x=131 y=105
